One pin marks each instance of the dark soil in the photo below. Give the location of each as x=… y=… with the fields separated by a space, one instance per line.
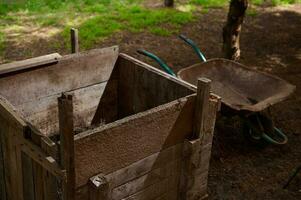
x=270 y=42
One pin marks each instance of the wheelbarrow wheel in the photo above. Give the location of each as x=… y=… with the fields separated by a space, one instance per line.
x=253 y=129
x=259 y=129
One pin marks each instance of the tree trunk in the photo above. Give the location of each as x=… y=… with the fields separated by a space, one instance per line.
x=231 y=30
x=169 y=3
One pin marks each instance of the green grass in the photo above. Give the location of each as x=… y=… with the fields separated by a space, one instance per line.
x=1 y=43
x=210 y=3
x=284 y=2
x=95 y=19
x=275 y=2
x=99 y=19
x=161 y=31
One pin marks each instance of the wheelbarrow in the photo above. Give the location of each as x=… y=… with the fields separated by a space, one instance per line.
x=244 y=91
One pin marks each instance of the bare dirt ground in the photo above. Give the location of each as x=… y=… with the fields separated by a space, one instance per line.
x=270 y=42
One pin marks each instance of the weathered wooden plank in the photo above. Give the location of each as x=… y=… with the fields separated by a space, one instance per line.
x=28 y=181
x=74 y=40
x=9 y=113
x=12 y=126
x=70 y=73
x=2 y=168
x=43 y=113
x=48 y=162
x=142 y=182
x=106 y=110
x=29 y=63
x=195 y=168
x=136 y=78
x=66 y=126
x=156 y=190
x=144 y=166
x=202 y=104
x=188 y=183
x=132 y=138
x=38 y=181
x=169 y=195
x=50 y=182
x=205 y=154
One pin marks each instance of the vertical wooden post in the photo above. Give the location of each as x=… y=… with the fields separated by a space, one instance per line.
x=202 y=105
x=74 y=40
x=66 y=126
x=197 y=151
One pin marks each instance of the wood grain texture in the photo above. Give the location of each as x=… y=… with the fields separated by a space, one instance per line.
x=202 y=106
x=2 y=168
x=142 y=87
x=12 y=126
x=27 y=169
x=132 y=138
x=194 y=175
x=29 y=63
x=50 y=182
x=66 y=125
x=145 y=165
x=155 y=176
x=70 y=73
x=43 y=113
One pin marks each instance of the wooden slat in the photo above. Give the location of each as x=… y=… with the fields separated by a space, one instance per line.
x=132 y=138
x=144 y=166
x=29 y=63
x=2 y=168
x=50 y=182
x=70 y=73
x=28 y=175
x=164 y=163
x=48 y=162
x=143 y=87
x=38 y=181
x=156 y=190
x=66 y=125
x=12 y=126
x=43 y=113
x=140 y=183
x=194 y=176
x=106 y=110
x=9 y=113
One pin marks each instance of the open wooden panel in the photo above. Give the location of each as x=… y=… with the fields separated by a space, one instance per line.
x=139 y=87
x=34 y=91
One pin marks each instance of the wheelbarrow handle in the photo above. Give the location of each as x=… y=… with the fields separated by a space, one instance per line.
x=158 y=60
x=194 y=46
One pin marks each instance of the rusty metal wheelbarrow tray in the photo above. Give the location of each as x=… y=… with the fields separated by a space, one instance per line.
x=241 y=88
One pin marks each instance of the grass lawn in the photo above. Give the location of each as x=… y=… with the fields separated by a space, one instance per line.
x=96 y=19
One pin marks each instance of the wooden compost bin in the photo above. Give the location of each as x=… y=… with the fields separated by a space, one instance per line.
x=102 y=125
